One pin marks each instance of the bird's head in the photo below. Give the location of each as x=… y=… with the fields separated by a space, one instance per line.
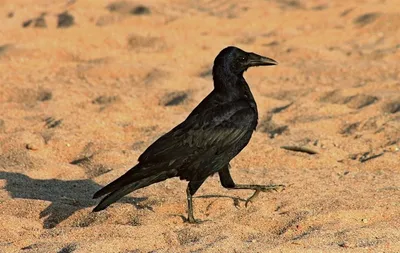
x=236 y=61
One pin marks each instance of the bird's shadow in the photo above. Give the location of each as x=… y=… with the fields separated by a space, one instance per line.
x=66 y=197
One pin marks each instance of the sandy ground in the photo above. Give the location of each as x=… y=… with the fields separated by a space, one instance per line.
x=86 y=86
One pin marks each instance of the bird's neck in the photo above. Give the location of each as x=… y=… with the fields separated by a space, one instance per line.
x=232 y=86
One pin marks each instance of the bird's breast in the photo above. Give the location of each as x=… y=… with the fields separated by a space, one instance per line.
x=253 y=106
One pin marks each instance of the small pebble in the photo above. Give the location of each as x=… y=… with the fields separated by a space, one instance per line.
x=31 y=146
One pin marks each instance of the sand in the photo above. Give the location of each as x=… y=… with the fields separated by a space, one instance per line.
x=86 y=86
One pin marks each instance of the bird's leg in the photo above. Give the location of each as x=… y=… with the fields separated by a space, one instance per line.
x=190 y=206
x=227 y=182
x=193 y=186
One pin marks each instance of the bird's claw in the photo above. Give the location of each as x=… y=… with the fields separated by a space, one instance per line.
x=264 y=188
x=192 y=220
x=250 y=199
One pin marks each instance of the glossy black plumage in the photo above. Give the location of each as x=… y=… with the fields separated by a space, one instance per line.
x=210 y=137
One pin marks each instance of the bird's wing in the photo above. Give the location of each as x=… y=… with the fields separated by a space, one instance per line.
x=216 y=128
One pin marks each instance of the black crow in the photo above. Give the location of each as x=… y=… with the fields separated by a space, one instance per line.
x=204 y=144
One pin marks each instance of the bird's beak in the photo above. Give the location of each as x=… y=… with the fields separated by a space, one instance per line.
x=258 y=60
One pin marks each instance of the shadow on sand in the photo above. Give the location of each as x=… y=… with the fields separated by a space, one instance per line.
x=66 y=197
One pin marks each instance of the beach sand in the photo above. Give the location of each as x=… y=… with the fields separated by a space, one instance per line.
x=86 y=86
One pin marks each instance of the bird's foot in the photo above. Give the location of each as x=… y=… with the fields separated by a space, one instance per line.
x=192 y=220
x=262 y=188
x=252 y=197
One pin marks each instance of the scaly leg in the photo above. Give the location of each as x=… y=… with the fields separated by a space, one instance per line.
x=193 y=186
x=227 y=182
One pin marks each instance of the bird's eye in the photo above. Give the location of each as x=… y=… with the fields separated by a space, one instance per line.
x=243 y=58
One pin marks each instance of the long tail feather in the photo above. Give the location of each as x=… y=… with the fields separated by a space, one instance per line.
x=119 y=193
x=134 y=174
